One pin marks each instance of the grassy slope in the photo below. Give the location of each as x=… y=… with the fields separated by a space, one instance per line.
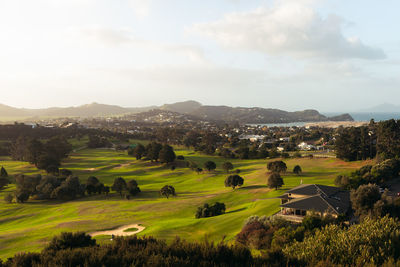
x=27 y=227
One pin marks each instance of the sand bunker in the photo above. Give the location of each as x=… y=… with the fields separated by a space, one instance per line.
x=120 y=231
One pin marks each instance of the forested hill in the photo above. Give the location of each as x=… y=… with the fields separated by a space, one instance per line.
x=192 y=108
x=262 y=115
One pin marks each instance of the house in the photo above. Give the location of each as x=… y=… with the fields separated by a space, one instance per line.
x=306 y=198
x=252 y=138
x=305 y=146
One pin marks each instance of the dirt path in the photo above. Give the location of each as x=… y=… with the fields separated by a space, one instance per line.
x=120 y=231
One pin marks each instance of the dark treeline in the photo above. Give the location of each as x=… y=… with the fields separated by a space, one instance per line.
x=315 y=242
x=80 y=250
x=153 y=152
x=381 y=173
x=9 y=134
x=44 y=155
x=65 y=186
x=380 y=139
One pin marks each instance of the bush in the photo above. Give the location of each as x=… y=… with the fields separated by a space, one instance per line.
x=180 y=157
x=372 y=241
x=138 y=251
x=70 y=241
x=208 y=211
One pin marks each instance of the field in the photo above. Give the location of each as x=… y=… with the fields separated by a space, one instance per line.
x=27 y=227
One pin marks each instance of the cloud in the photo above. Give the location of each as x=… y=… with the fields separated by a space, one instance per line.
x=110 y=37
x=287 y=28
x=141 y=8
x=105 y=36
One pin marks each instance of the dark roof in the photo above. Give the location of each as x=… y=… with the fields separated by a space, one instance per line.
x=313 y=189
x=319 y=198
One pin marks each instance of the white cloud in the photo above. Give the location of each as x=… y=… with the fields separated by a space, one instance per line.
x=110 y=37
x=105 y=36
x=141 y=8
x=289 y=28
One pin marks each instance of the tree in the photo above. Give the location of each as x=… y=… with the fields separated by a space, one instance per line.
x=46 y=160
x=3 y=173
x=139 y=151
x=133 y=187
x=92 y=184
x=208 y=211
x=119 y=185
x=167 y=191
x=210 y=165
x=227 y=166
x=69 y=189
x=46 y=186
x=167 y=154
x=234 y=181
x=34 y=150
x=297 y=169
x=3 y=178
x=277 y=166
x=364 y=198
x=153 y=151
x=275 y=180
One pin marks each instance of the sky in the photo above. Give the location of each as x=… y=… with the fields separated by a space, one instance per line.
x=329 y=55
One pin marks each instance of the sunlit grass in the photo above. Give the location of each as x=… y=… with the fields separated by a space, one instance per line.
x=27 y=227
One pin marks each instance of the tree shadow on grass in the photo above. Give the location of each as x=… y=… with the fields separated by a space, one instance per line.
x=237 y=210
x=250 y=187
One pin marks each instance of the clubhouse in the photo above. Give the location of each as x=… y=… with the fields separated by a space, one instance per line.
x=306 y=198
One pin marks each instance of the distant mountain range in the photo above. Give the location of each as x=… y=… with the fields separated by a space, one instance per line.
x=192 y=108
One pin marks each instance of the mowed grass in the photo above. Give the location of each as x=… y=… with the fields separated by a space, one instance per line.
x=29 y=226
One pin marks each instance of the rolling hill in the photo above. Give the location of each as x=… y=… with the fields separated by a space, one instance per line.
x=192 y=108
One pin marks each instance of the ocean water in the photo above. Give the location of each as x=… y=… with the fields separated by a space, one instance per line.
x=357 y=116
x=367 y=116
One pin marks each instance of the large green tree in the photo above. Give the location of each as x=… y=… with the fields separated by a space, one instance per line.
x=275 y=180
x=167 y=154
x=119 y=185
x=210 y=165
x=167 y=190
x=234 y=181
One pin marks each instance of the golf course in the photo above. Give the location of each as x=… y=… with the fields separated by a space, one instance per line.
x=29 y=226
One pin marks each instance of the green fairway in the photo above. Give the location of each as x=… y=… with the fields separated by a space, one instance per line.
x=27 y=227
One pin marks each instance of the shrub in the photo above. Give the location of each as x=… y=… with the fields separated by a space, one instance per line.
x=208 y=211
x=70 y=241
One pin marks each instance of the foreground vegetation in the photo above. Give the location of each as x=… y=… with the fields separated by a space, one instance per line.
x=373 y=242
x=29 y=226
